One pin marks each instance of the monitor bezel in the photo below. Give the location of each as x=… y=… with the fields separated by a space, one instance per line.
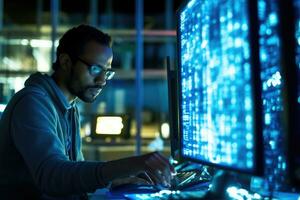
x=287 y=29
x=258 y=169
x=173 y=108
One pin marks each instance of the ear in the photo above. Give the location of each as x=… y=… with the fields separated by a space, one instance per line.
x=65 y=62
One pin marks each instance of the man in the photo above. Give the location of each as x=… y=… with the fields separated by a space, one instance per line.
x=40 y=146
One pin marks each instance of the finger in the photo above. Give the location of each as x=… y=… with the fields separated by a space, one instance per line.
x=165 y=180
x=153 y=169
x=160 y=178
x=145 y=176
x=156 y=174
x=161 y=162
x=160 y=169
x=163 y=174
x=164 y=167
x=155 y=177
x=166 y=176
x=165 y=161
x=137 y=180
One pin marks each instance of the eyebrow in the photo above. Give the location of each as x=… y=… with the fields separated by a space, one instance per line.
x=95 y=63
x=104 y=66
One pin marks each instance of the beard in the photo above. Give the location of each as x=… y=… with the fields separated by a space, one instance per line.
x=87 y=94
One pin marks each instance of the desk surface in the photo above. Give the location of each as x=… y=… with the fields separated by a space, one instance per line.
x=105 y=194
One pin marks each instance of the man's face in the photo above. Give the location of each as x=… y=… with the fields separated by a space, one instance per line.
x=82 y=82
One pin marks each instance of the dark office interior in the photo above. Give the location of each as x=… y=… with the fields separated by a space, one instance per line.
x=214 y=86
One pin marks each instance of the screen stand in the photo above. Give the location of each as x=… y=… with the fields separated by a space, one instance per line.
x=220 y=182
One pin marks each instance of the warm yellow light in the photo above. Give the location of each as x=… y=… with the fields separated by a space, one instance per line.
x=165 y=130
x=40 y=43
x=24 y=42
x=109 y=125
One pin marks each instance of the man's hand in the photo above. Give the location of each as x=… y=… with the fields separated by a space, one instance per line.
x=158 y=168
x=130 y=180
x=155 y=167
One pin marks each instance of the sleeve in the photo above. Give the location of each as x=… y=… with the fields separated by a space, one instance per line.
x=33 y=128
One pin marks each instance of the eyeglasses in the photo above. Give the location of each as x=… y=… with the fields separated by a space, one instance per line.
x=96 y=70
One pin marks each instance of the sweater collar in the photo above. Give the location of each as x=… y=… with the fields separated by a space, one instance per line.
x=47 y=83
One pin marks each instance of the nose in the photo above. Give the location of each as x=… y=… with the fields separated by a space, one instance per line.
x=100 y=80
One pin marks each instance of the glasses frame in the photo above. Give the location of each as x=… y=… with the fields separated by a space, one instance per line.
x=109 y=73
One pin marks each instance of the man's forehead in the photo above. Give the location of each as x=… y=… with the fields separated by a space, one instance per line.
x=94 y=46
x=97 y=51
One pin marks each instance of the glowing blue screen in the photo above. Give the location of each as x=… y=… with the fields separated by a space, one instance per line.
x=272 y=85
x=216 y=93
x=297 y=27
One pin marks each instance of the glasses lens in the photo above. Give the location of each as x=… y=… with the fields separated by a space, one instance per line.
x=109 y=75
x=95 y=70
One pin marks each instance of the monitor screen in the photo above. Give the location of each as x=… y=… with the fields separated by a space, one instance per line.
x=296 y=137
x=272 y=88
x=279 y=86
x=219 y=112
x=297 y=36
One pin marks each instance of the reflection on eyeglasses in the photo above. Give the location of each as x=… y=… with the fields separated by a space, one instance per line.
x=96 y=70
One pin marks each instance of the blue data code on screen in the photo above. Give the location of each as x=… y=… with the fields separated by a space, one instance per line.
x=216 y=82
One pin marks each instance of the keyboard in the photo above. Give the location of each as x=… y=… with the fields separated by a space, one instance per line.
x=186 y=179
x=181 y=181
x=189 y=180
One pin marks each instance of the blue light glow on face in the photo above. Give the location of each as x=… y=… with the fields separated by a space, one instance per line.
x=217 y=107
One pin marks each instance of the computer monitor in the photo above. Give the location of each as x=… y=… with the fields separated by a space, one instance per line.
x=290 y=59
x=238 y=86
x=296 y=144
x=279 y=90
x=219 y=85
x=273 y=86
x=110 y=126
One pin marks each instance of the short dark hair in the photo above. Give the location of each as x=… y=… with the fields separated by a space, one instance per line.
x=74 y=40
